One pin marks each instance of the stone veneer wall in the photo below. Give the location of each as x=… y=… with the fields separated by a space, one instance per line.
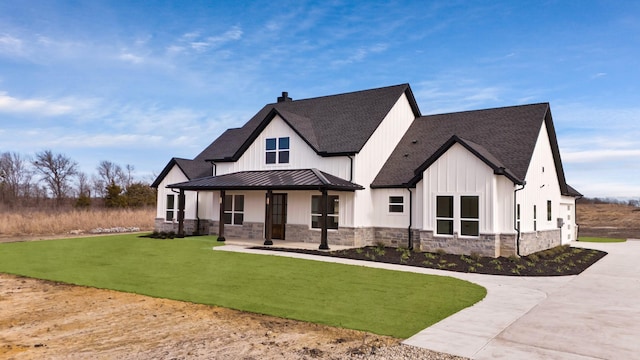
x=189 y=226
x=248 y=230
x=539 y=240
x=302 y=233
x=485 y=244
x=508 y=245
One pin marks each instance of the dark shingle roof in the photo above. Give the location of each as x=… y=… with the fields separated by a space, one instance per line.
x=331 y=125
x=304 y=179
x=192 y=169
x=504 y=137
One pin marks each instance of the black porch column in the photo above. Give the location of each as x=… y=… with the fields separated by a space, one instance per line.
x=221 y=222
x=323 y=222
x=181 y=205
x=269 y=220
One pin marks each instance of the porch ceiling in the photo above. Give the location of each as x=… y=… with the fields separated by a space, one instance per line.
x=302 y=179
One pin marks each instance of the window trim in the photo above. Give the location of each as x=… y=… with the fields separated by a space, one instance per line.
x=446 y=218
x=234 y=211
x=168 y=209
x=470 y=219
x=335 y=215
x=398 y=205
x=278 y=150
x=457 y=219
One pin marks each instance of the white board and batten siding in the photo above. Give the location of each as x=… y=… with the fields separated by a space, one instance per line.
x=299 y=207
x=457 y=173
x=541 y=186
x=206 y=200
x=383 y=216
x=376 y=151
x=301 y=155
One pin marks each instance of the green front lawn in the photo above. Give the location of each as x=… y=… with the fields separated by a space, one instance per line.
x=384 y=302
x=600 y=240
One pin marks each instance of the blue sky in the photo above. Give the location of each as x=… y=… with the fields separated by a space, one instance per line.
x=139 y=82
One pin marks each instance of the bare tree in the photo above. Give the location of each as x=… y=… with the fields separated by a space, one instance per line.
x=129 y=175
x=111 y=173
x=98 y=185
x=56 y=171
x=83 y=185
x=15 y=176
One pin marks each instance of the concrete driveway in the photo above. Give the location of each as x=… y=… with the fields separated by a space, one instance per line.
x=594 y=315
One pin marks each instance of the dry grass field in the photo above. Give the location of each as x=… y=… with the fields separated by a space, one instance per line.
x=608 y=220
x=29 y=223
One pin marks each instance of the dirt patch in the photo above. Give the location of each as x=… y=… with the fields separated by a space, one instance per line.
x=42 y=319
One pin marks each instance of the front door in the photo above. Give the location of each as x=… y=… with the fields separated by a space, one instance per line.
x=279 y=213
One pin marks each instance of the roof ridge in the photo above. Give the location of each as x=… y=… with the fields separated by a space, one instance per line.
x=487 y=109
x=320 y=176
x=345 y=93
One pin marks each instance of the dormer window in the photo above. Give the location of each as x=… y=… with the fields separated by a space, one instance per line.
x=277 y=150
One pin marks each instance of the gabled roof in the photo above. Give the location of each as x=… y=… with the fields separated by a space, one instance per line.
x=477 y=150
x=501 y=137
x=332 y=125
x=192 y=169
x=304 y=179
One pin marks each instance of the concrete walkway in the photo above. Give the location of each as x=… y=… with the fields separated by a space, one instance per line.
x=595 y=315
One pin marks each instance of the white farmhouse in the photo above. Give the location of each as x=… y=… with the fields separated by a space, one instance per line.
x=366 y=167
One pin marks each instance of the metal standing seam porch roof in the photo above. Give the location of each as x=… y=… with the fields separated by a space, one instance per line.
x=304 y=179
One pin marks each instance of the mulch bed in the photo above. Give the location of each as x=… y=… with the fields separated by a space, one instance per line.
x=558 y=261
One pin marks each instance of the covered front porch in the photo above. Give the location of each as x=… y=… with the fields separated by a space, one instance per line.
x=276 y=185
x=286 y=244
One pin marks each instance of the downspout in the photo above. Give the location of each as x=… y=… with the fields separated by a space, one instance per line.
x=215 y=168
x=515 y=217
x=350 y=167
x=409 y=232
x=197 y=216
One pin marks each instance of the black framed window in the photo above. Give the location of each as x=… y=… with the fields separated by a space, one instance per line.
x=233 y=209
x=469 y=216
x=277 y=150
x=396 y=204
x=444 y=215
x=333 y=211
x=171 y=207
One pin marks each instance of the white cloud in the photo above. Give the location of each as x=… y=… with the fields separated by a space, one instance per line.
x=128 y=57
x=600 y=155
x=361 y=53
x=452 y=94
x=84 y=140
x=199 y=43
x=10 y=45
x=10 y=104
x=586 y=116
